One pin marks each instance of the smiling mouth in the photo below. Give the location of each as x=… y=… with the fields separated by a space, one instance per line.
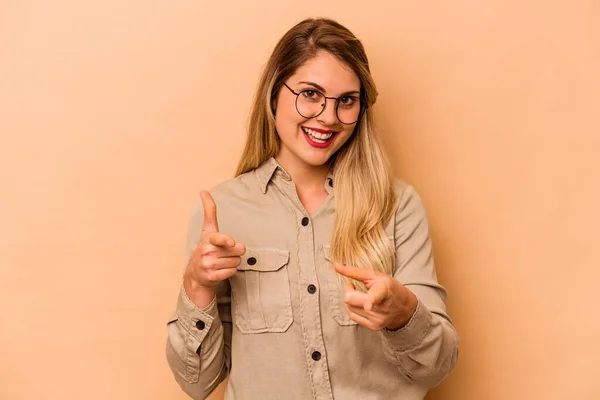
x=317 y=136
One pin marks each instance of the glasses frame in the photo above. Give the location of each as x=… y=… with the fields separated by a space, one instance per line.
x=363 y=106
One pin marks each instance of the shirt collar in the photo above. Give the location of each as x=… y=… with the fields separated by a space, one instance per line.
x=329 y=182
x=266 y=171
x=270 y=168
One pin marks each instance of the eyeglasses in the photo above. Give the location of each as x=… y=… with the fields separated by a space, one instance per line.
x=310 y=103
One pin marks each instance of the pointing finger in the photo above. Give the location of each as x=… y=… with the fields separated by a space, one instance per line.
x=359 y=274
x=210 y=212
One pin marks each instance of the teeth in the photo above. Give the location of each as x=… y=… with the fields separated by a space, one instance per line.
x=320 y=137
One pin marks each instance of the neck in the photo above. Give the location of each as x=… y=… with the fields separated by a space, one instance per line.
x=305 y=177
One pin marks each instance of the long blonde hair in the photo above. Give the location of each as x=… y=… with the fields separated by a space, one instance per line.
x=363 y=183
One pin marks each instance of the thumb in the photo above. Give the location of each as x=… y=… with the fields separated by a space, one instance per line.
x=210 y=212
x=349 y=287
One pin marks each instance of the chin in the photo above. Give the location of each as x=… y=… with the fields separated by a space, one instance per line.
x=317 y=160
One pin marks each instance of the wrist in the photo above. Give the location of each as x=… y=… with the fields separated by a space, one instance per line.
x=198 y=294
x=408 y=310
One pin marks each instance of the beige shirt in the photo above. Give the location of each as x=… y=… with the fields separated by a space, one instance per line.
x=279 y=327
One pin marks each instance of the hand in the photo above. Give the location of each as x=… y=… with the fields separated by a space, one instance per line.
x=387 y=304
x=216 y=257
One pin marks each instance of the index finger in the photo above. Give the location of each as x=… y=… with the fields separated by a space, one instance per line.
x=210 y=212
x=359 y=274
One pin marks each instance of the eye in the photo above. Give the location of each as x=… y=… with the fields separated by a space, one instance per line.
x=348 y=101
x=310 y=94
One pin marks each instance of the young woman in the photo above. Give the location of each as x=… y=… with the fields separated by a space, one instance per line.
x=315 y=279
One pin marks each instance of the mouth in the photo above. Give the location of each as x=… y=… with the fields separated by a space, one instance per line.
x=319 y=136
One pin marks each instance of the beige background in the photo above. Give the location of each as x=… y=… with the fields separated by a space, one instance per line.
x=115 y=114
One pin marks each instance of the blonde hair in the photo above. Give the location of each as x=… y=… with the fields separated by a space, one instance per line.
x=363 y=184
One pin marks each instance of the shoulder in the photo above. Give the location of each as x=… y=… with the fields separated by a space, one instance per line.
x=400 y=187
x=244 y=187
x=231 y=194
x=408 y=200
x=404 y=191
x=243 y=183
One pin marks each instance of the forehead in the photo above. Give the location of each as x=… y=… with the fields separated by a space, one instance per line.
x=329 y=72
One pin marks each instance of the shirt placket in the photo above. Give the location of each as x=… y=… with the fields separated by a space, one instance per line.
x=310 y=315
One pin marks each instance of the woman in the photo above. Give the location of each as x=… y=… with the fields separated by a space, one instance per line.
x=313 y=204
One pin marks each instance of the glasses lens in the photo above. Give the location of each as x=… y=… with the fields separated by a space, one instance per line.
x=310 y=103
x=348 y=109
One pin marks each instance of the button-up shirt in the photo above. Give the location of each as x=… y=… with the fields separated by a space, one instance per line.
x=279 y=327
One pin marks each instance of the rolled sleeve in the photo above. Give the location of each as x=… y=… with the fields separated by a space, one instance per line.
x=410 y=335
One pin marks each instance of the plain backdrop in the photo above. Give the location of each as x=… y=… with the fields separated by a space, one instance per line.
x=114 y=115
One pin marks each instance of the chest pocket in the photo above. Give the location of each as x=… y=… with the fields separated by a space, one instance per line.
x=260 y=291
x=335 y=292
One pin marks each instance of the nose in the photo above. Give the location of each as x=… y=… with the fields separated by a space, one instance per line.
x=328 y=116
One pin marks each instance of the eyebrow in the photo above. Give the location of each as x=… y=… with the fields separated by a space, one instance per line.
x=324 y=91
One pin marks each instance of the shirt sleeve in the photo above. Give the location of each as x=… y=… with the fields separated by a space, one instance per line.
x=426 y=348
x=198 y=347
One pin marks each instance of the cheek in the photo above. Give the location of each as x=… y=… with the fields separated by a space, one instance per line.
x=347 y=134
x=287 y=119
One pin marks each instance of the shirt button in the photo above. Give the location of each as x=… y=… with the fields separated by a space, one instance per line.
x=251 y=261
x=311 y=289
x=316 y=355
x=304 y=221
x=200 y=325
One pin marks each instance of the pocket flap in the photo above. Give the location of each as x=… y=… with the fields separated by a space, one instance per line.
x=264 y=259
